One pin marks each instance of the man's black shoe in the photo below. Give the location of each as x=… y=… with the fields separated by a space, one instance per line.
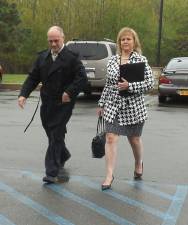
x=50 y=179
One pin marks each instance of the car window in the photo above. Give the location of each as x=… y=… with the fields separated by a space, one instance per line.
x=89 y=51
x=113 y=49
x=177 y=64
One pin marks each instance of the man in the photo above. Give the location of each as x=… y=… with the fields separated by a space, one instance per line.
x=62 y=76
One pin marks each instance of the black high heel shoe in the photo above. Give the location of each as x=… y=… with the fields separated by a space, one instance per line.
x=138 y=176
x=107 y=186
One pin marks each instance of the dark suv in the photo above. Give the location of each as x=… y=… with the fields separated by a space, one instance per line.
x=94 y=56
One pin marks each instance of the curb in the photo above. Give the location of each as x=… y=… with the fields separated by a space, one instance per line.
x=13 y=87
x=10 y=86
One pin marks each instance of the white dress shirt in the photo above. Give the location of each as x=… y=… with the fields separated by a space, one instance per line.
x=55 y=54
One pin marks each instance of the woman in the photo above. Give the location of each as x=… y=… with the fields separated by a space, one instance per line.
x=124 y=115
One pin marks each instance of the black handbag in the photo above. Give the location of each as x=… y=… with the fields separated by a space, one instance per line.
x=98 y=142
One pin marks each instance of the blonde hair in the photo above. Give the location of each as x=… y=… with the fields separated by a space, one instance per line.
x=124 y=31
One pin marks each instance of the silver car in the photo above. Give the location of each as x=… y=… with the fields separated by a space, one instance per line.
x=94 y=56
x=174 y=79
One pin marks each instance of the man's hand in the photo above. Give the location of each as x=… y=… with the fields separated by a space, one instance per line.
x=21 y=101
x=65 y=98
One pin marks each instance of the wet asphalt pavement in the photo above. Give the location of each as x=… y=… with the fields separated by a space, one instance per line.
x=160 y=199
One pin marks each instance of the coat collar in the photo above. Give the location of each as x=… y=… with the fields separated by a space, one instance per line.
x=58 y=62
x=116 y=63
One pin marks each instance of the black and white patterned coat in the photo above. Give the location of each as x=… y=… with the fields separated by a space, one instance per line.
x=128 y=110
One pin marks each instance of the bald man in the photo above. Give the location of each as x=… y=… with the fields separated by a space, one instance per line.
x=63 y=77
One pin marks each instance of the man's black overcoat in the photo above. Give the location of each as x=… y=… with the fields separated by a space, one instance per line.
x=65 y=74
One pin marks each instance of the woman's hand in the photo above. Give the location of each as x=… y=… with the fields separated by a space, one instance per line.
x=100 y=111
x=123 y=85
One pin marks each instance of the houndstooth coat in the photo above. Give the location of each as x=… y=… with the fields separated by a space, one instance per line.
x=131 y=109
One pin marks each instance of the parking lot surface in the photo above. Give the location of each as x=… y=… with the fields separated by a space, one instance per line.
x=159 y=199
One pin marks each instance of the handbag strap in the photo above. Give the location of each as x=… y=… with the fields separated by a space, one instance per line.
x=100 y=125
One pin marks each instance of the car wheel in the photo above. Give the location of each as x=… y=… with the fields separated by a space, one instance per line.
x=162 y=99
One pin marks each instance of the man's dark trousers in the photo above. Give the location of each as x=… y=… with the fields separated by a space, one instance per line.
x=55 y=115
